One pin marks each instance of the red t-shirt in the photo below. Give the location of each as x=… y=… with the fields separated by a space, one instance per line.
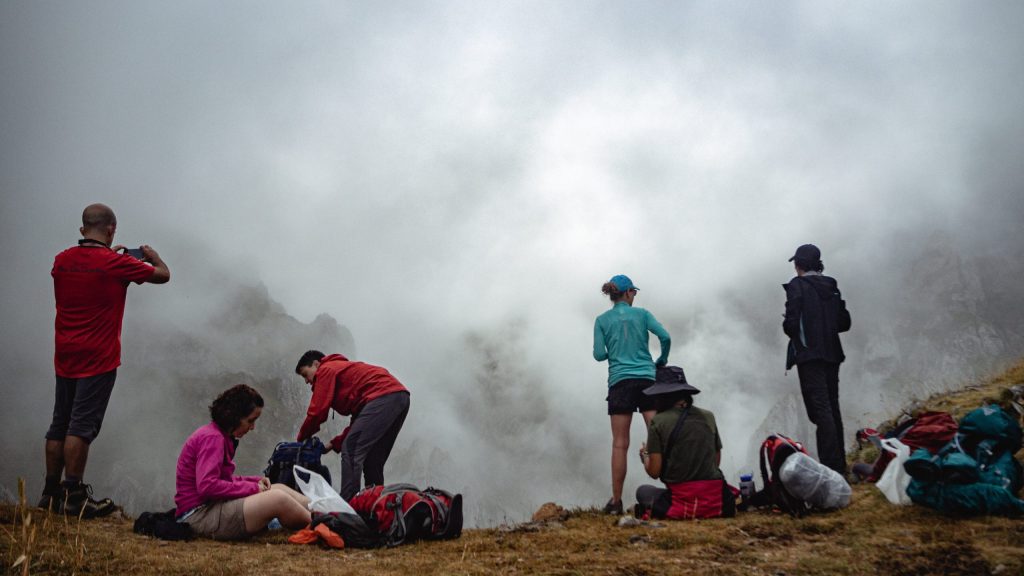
x=90 y=284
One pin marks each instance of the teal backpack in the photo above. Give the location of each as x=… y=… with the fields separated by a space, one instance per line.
x=976 y=472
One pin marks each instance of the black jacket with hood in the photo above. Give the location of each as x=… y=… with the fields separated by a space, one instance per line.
x=815 y=315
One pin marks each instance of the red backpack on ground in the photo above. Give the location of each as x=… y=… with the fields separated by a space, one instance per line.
x=403 y=513
x=774 y=451
x=930 y=430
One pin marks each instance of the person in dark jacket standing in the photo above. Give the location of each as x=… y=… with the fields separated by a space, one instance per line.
x=815 y=315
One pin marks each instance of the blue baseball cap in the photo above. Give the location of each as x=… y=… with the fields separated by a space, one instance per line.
x=623 y=283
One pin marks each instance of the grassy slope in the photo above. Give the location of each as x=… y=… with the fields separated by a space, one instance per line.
x=869 y=537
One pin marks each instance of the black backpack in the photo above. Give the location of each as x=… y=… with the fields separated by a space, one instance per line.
x=162 y=525
x=351 y=527
x=287 y=454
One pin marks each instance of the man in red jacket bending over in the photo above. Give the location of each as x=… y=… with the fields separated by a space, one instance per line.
x=377 y=402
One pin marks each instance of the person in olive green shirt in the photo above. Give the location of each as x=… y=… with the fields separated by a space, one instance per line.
x=684 y=449
x=621 y=337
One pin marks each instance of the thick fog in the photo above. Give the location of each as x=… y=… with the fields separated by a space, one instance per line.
x=451 y=183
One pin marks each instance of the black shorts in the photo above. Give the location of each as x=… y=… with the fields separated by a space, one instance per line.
x=79 y=406
x=627 y=396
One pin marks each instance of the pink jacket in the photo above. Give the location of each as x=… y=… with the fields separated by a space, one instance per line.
x=205 y=471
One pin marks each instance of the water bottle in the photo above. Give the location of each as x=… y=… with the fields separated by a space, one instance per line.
x=747 y=485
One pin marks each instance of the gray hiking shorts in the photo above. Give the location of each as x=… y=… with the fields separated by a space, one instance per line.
x=79 y=406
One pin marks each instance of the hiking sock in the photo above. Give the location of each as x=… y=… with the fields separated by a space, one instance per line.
x=52 y=486
x=70 y=485
x=53 y=495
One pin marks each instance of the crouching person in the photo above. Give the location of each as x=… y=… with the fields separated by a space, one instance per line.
x=684 y=450
x=377 y=401
x=210 y=498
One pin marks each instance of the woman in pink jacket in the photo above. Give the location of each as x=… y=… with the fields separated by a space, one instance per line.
x=210 y=498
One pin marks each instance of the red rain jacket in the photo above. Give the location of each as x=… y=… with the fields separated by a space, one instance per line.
x=345 y=386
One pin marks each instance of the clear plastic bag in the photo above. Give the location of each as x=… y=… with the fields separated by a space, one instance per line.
x=894 y=480
x=813 y=482
x=322 y=498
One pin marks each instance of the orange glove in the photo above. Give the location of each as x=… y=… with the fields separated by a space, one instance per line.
x=329 y=538
x=304 y=536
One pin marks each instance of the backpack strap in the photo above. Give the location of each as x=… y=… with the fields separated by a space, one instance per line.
x=797 y=446
x=673 y=435
x=395 y=533
x=439 y=510
x=765 y=478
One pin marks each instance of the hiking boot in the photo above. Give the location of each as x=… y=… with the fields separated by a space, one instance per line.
x=52 y=502
x=78 y=501
x=613 y=507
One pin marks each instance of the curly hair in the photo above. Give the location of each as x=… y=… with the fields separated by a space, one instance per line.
x=234 y=404
x=612 y=291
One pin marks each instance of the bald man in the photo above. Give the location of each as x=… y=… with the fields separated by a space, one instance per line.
x=90 y=282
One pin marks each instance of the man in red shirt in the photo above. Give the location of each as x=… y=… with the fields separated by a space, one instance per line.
x=90 y=282
x=377 y=402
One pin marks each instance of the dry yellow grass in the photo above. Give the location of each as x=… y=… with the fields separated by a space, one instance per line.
x=869 y=537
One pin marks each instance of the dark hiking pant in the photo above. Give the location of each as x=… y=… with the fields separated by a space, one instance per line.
x=370 y=440
x=819 y=384
x=657 y=500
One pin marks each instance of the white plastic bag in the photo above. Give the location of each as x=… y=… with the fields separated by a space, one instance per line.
x=814 y=483
x=322 y=498
x=894 y=480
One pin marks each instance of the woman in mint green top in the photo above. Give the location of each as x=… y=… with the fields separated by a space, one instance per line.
x=621 y=337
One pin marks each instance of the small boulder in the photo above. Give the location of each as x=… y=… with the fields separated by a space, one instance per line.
x=550 y=512
x=628 y=522
x=639 y=539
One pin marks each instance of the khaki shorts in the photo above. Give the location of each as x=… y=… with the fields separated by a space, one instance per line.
x=220 y=520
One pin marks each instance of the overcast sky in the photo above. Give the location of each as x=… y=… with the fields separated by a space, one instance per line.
x=423 y=170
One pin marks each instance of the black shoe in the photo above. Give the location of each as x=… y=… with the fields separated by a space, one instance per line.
x=613 y=507
x=454 y=528
x=52 y=502
x=639 y=510
x=78 y=502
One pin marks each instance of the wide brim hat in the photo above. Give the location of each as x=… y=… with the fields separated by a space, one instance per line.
x=669 y=387
x=670 y=379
